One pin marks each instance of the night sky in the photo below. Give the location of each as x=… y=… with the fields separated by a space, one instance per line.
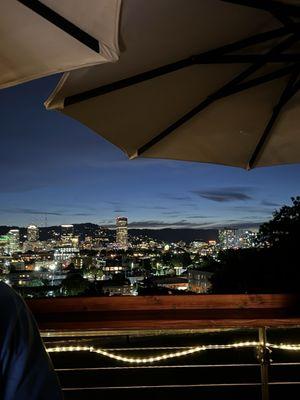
x=54 y=168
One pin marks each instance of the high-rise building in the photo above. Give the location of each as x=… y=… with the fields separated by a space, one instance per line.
x=32 y=233
x=247 y=238
x=228 y=238
x=122 y=232
x=4 y=243
x=14 y=240
x=67 y=233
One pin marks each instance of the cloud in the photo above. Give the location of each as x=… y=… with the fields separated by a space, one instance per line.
x=112 y=202
x=198 y=216
x=160 y=224
x=21 y=186
x=120 y=205
x=183 y=223
x=109 y=223
x=270 y=204
x=225 y=194
x=82 y=214
x=175 y=197
x=31 y=211
x=242 y=225
x=152 y=207
x=253 y=209
x=74 y=206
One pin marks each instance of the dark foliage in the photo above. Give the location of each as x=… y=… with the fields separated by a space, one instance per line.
x=273 y=267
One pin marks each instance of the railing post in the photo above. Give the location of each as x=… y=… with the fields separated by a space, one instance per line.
x=264 y=358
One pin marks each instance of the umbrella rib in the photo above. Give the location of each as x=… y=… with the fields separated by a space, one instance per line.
x=290 y=90
x=209 y=100
x=229 y=88
x=268 y=5
x=283 y=18
x=279 y=73
x=207 y=57
x=62 y=23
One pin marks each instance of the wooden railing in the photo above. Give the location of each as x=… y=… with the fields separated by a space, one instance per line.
x=166 y=312
x=95 y=316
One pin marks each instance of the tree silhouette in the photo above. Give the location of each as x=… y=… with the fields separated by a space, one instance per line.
x=74 y=284
x=273 y=267
x=283 y=230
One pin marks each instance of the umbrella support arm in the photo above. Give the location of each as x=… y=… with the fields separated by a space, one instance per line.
x=62 y=23
x=290 y=90
x=215 y=56
x=221 y=94
x=236 y=85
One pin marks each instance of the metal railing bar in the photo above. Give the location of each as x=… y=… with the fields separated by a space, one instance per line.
x=163 y=386
x=284 y=383
x=156 y=367
x=135 y=332
x=284 y=364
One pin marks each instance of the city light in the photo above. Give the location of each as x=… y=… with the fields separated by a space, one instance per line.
x=110 y=261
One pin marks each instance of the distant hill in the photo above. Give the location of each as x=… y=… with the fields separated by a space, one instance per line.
x=166 y=234
x=175 y=235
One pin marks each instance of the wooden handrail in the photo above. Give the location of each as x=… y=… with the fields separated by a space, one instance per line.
x=166 y=312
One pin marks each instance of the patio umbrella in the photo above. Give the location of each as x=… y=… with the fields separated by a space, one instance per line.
x=210 y=81
x=39 y=38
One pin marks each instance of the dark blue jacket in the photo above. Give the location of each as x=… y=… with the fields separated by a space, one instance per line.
x=26 y=372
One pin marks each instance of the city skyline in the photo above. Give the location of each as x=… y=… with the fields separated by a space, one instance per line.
x=55 y=168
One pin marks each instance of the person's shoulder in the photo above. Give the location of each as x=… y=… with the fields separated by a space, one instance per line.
x=9 y=299
x=6 y=291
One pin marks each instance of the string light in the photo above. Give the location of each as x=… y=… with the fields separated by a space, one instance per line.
x=283 y=346
x=166 y=356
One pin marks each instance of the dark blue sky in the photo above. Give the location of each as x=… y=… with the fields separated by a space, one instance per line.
x=54 y=167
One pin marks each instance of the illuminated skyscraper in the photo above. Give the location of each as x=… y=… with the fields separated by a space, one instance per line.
x=122 y=232
x=67 y=232
x=14 y=240
x=228 y=238
x=32 y=233
x=247 y=238
x=4 y=244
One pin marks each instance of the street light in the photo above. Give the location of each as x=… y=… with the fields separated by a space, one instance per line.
x=52 y=268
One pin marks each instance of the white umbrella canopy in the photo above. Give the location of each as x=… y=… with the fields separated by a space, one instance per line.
x=210 y=81
x=39 y=38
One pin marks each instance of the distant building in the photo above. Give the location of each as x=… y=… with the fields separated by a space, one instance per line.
x=199 y=281
x=236 y=238
x=122 y=232
x=247 y=239
x=65 y=253
x=228 y=238
x=67 y=232
x=13 y=241
x=67 y=236
x=111 y=288
x=32 y=233
x=4 y=243
x=171 y=282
